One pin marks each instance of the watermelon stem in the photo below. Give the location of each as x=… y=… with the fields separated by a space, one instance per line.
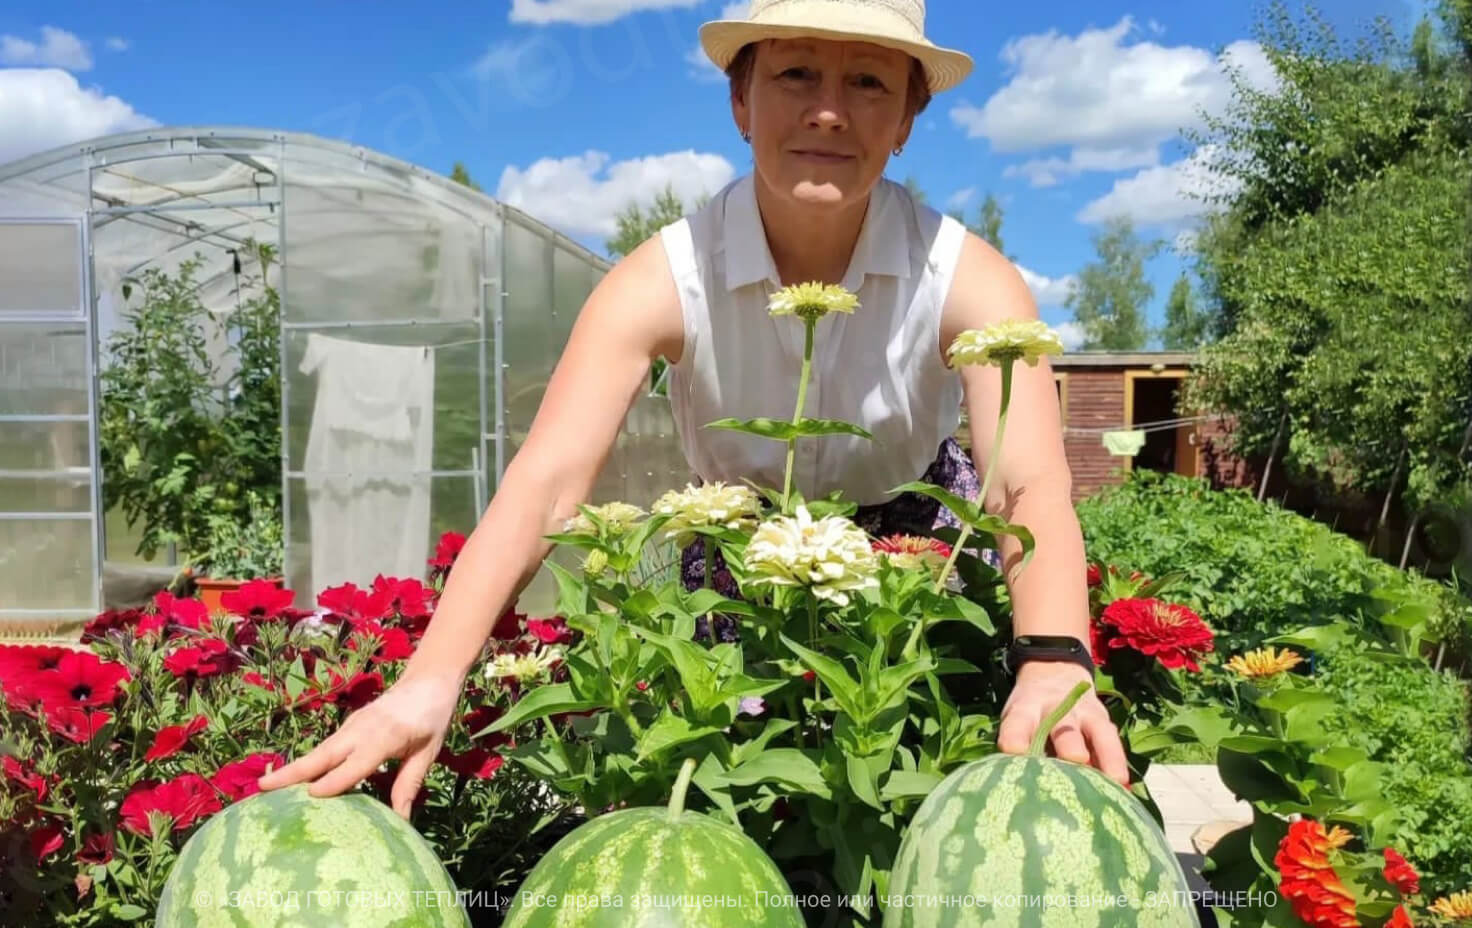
x=682 y=784
x=1040 y=737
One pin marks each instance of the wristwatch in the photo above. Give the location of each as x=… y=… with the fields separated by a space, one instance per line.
x=1047 y=648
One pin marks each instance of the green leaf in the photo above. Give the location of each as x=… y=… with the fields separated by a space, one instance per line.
x=909 y=784
x=1207 y=724
x=895 y=680
x=551 y=699
x=572 y=592
x=128 y=912
x=748 y=749
x=786 y=431
x=692 y=663
x=789 y=768
x=863 y=779
x=668 y=731
x=845 y=689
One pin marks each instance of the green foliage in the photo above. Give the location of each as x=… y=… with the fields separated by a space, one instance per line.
x=1186 y=324
x=460 y=175
x=638 y=224
x=1109 y=300
x=988 y=225
x=180 y=440
x=248 y=550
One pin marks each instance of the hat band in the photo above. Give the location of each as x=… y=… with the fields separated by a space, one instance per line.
x=836 y=14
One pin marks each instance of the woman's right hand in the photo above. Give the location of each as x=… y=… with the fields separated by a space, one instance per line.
x=407 y=721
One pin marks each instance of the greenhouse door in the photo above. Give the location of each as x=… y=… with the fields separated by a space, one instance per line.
x=50 y=528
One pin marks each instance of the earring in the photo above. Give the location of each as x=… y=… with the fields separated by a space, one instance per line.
x=746 y=137
x=898 y=150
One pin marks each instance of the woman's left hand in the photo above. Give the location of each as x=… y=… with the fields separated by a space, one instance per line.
x=1085 y=735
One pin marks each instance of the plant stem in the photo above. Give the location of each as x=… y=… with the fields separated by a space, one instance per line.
x=802 y=395
x=1040 y=737
x=682 y=783
x=945 y=573
x=991 y=469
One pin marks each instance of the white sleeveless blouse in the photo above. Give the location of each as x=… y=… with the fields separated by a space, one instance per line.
x=879 y=368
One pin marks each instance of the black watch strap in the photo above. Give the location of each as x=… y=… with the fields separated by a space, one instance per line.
x=1047 y=648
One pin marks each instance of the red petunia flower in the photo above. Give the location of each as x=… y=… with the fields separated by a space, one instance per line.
x=1399 y=872
x=382 y=783
x=253 y=678
x=97 y=848
x=550 y=631
x=81 y=678
x=358 y=691
x=394 y=643
x=185 y=613
x=169 y=740
x=475 y=764
x=237 y=779
x=22 y=667
x=77 y=724
x=445 y=554
x=16 y=772
x=45 y=839
x=350 y=603
x=205 y=658
x=1400 y=918
x=508 y=625
x=122 y=621
x=478 y=719
x=405 y=598
x=1093 y=576
x=185 y=799
x=258 y=599
x=1312 y=888
x=1171 y=633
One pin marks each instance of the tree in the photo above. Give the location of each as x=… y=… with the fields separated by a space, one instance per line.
x=460 y=175
x=988 y=223
x=636 y=225
x=1109 y=300
x=1186 y=323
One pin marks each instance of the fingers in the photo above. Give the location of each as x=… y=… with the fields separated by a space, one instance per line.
x=1108 y=749
x=1068 y=741
x=1017 y=729
x=410 y=777
x=360 y=762
x=311 y=765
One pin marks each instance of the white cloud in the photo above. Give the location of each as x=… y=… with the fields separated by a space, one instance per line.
x=41 y=109
x=57 y=49
x=1048 y=172
x=1071 y=334
x=961 y=198
x=1163 y=195
x=1104 y=92
x=701 y=67
x=586 y=12
x=584 y=194
x=1047 y=291
x=115 y=44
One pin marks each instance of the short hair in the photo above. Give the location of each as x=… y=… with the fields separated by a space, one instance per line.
x=916 y=100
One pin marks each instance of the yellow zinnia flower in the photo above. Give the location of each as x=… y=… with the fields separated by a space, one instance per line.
x=811 y=301
x=619 y=517
x=1264 y=662
x=710 y=505
x=830 y=556
x=1455 y=906
x=1008 y=340
x=522 y=667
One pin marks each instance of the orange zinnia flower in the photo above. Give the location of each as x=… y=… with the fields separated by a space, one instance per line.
x=1309 y=882
x=1400 y=919
x=1457 y=905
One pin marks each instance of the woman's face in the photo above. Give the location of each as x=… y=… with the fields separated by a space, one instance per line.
x=824 y=116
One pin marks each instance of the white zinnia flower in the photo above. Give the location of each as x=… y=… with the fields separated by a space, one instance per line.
x=830 y=556
x=811 y=301
x=1008 y=340
x=523 y=667
x=713 y=505
x=619 y=517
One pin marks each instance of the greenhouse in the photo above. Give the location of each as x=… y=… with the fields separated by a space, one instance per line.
x=412 y=324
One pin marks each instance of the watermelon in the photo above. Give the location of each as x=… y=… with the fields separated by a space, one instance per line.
x=1035 y=840
x=283 y=858
x=655 y=866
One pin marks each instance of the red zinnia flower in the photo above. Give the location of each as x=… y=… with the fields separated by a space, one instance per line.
x=1400 y=919
x=169 y=740
x=1098 y=642
x=1172 y=633
x=406 y=598
x=550 y=631
x=186 y=799
x=1094 y=576
x=1309 y=882
x=1399 y=872
x=45 y=840
x=97 y=848
x=186 y=613
x=205 y=658
x=16 y=772
x=911 y=544
x=258 y=599
x=238 y=778
x=75 y=723
x=81 y=678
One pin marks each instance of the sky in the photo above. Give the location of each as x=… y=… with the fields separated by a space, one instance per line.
x=572 y=109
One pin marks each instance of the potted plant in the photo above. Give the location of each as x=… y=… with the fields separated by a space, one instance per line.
x=238 y=553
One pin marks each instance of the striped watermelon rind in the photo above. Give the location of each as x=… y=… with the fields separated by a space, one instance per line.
x=1032 y=840
x=283 y=857
x=654 y=866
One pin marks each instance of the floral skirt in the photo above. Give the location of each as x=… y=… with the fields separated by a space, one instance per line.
x=906 y=514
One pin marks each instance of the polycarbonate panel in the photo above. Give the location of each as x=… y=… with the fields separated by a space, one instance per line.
x=455 y=356
x=40 y=269
x=43 y=369
x=531 y=345
x=45 y=467
x=46 y=564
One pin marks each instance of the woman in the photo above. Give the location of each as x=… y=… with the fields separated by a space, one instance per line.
x=824 y=91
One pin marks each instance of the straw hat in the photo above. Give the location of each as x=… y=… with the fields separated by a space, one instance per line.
x=897 y=24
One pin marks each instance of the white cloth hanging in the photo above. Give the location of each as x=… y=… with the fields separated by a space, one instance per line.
x=369 y=459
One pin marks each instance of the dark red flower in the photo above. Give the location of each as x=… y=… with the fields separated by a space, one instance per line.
x=642 y=685
x=476 y=763
x=16 y=772
x=350 y=603
x=205 y=658
x=258 y=599
x=97 y=848
x=253 y=678
x=75 y=723
x=22 y=667
x=169 y=740
x=150 y=623
x=1171 y=633
x=394 y=643
x=123 y=621
x=445 y=553
x=46 y=839
x=81 y=678
x=1399 y=871
x=478 y=719
x=357 y=692
x=550 y=631
x=186 y=799
x=509 y=624
x=237 y=779
x=405 y=598
x=382 y=783
x=185 y=613
x=1094 y=576
x=809 y=676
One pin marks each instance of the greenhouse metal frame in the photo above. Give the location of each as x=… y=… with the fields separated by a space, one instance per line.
x=398 y=289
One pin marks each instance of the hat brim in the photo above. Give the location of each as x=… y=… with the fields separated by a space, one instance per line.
x=722 y=39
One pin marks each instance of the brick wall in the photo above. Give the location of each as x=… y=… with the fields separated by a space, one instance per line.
x=1095 y=400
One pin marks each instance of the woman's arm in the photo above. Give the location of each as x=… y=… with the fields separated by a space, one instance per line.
x=1032 y=486
x=632 y=317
